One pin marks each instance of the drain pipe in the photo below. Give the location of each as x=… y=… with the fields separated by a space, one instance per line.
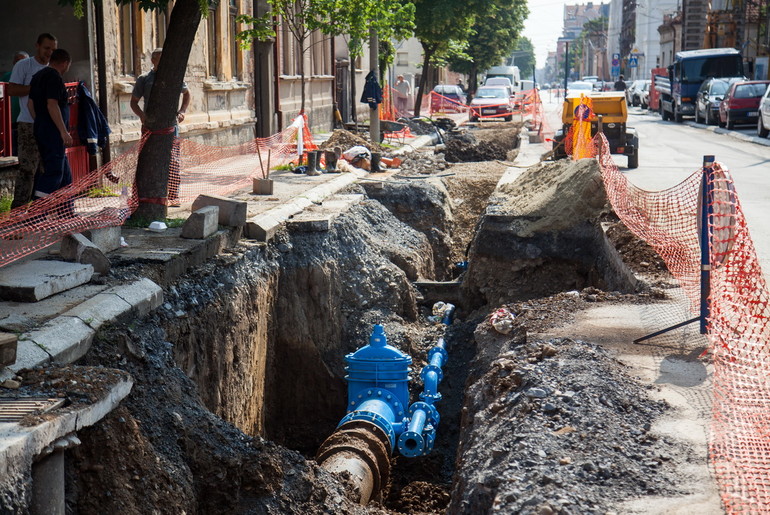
x=377 y=420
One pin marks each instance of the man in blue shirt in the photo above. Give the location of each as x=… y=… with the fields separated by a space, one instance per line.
x=49 y=108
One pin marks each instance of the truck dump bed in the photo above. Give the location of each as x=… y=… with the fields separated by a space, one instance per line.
x=610 y=104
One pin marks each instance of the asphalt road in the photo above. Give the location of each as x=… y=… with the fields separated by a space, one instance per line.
x=670 y=152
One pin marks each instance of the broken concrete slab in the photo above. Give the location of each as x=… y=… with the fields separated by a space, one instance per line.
x=201 y=223
x=106 y=238
x=231 y=212
x=65 y=339
x=78 y=248
x=8 y=343
x=96 y=311
x=28 y=354
x=319 y=218
x=35 y=280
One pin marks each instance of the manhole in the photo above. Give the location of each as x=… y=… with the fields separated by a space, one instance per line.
x=13 y=410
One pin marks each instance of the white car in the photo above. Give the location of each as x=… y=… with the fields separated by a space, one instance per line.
x=575 y=89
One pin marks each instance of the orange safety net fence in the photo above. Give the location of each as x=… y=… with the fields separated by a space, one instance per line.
x=738 y=320
x=107 y=196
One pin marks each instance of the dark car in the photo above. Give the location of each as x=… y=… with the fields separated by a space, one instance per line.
x=709 y=96
x=741 y=103
x=448 y=97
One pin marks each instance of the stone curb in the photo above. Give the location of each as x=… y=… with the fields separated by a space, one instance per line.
x=68 y=337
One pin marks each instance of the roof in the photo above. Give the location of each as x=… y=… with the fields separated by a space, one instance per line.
x=705 y=52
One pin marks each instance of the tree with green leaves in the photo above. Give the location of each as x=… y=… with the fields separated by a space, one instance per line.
x=494 y=36
x=161 y=109
x=524 y=53
x=442 y=27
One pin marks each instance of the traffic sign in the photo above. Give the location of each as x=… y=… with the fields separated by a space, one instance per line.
x=615 y=59
x=615 y=71
x=633 y=62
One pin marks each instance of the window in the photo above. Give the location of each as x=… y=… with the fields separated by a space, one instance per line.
x=161 y=23
x=213 y=41
x=235 y=51
x=288 y=66
x=127 y=21
x=321 y=54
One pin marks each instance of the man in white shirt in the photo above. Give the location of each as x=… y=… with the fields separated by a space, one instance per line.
x=18 y=86
x=403 y=90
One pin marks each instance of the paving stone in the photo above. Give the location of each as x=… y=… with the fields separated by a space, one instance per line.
x=36 y=280
x=104 y=307
x=201 y=223
x=28 y=355
x=231 y=212
x=66 y=339
x=78 y=248
x=106 y=238
x=143 y=295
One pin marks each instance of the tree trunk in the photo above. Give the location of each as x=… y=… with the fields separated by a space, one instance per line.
x=428 y=55
x=161 y=109
x=353 y=99
x=473 y=80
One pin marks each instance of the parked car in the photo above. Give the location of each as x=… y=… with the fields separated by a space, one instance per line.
x=632 y=98
x=449 y=97
x=710 y=95
x=500 y=82
x=763 y=119
x=741 y=103
x=492 y=101
x=578 y=87
x=640 y=93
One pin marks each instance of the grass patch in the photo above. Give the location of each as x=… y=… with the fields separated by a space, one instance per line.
x=284 y=168
x=143 y=223
x=5 y=204
x=101 y=192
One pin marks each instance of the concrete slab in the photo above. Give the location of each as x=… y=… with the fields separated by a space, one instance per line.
x=36 y=280
x=24 y=316
x=65 y=339
x=320 y=218
x=7 y=348
x=21 y=445
x=78 y=248
x=202 y=223
x=231 y=212
x=264 y=226
x=102 y=308
x=143 y=296
x=28 y=355
x=106 y=238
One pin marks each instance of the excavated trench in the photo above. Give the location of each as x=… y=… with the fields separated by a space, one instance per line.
x=239 y=376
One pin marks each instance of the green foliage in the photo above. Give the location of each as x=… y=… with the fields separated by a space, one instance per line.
x=143 y=223
x=5 y=204
x=78 y=6
x=100 y=192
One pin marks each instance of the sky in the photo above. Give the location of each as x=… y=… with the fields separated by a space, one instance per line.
x=545 y=23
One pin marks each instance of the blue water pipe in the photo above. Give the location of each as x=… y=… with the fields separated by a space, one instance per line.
x=378 y=378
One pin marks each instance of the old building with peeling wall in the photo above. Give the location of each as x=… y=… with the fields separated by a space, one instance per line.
x=236 y=94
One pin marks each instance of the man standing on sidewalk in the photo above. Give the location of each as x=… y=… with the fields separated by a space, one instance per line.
x=29 y=155
x=49 y=107
x=142 y=90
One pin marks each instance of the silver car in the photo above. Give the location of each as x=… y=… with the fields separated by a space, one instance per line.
x=763 y=121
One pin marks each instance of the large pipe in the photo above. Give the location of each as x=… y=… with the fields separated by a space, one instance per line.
x=377 y=420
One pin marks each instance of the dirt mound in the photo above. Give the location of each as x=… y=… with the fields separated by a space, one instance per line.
x=636 y=253
x=457 y=151
x=555 y=195
x=559 y=428
x=346 y=139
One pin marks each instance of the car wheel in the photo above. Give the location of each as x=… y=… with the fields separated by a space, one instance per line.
x=730 y=124
x=677 y=115
x=633 y=160
x=508 y=118
x=762 y=132
x=473 y=118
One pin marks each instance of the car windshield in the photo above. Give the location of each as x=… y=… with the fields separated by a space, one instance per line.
x=446 y=90
x=750 y=90
x=699 y=69
x=491 y=93
x=580 y=85
x=719 y=87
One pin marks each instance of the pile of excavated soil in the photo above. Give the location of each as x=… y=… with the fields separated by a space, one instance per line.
x=422 y=163
x=637 y=253
x=558 y=193
x=346 y=139
x=557 y=426
x=457 y=151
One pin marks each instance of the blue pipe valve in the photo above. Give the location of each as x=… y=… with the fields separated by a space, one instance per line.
x=418 y=439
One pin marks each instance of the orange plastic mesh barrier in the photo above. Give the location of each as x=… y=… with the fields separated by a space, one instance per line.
x=107 y=197
x=441 y=104
x=738 y=322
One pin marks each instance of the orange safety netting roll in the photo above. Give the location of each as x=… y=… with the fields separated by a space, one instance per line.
x=107 y=196
x=738 y=321
x=582 y=144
